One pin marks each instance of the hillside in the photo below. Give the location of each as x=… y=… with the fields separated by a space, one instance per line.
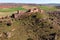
x=36 y=25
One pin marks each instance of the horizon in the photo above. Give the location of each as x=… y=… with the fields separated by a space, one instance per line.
x=31 y=1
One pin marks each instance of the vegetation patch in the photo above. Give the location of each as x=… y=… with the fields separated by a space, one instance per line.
x=11 y=9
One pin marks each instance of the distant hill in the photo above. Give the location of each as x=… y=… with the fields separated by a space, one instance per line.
x=10 y=5
x=51 y=4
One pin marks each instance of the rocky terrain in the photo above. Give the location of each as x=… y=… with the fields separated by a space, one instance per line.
x=34 y=24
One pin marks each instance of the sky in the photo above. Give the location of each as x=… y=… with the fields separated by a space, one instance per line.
x=30 y=1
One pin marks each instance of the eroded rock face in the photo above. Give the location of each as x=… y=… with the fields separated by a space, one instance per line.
x=9 y=34
x=6 y=35
x=52 y=36
x=34 y=10
x=1 y=34
x=29 y=39
x=13 y=29
x=29 y=11
x=9 y=23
